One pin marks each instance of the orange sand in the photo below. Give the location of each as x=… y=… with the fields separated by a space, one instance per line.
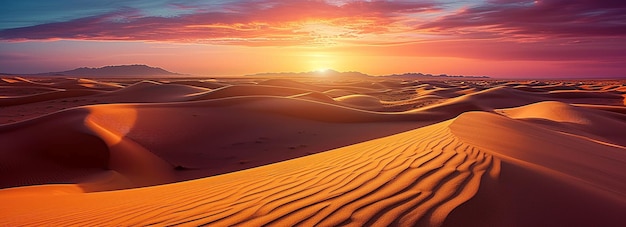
x=326 y=152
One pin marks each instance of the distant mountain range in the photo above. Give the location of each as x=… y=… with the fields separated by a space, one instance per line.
x=421 y=75
x=326 y=73
x=148 y=71
x=333 y=73
x=115 y=71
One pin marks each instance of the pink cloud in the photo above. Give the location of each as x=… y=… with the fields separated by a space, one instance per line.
x=601 y=50
x=550 y=31
x=271 y=22
x=248 y=22
x=537 y=19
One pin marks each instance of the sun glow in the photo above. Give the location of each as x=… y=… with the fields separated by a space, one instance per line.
x=322 y=70
x=321 y=62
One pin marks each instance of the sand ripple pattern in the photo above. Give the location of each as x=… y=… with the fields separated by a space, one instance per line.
x=412 y=178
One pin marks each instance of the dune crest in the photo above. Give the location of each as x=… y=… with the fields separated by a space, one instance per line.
x=259 y=151
x=410 y=178
x=578 y=182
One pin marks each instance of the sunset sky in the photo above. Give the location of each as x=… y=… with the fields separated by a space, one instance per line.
x=498 y=38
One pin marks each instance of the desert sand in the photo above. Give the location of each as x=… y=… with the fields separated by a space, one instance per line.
x=312 y=152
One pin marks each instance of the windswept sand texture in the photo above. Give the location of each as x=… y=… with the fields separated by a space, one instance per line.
x=311 y=152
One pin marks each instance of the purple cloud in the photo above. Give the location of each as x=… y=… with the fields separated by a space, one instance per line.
x=538 y=19
x=267 y=22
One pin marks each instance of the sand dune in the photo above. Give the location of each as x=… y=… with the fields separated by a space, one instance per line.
x=586 y=160
x=291 y=84
x=334 y=93
x=414 y=177
x=20 y=100
x=151 y=91
x=362 y=101
x=589 y=123
x=282 y=152
x=200 y=83
x=551 y=178
x=250 y=90
x=98 y=84
x=315 y=96
x=189 y=122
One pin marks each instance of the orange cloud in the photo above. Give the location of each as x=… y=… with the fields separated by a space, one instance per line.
x=250 y=23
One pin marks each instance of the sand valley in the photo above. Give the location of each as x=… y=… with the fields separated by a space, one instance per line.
x=254 y=151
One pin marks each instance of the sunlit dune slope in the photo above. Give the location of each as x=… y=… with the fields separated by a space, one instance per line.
x=546 y=178
x=587 y=122
x=416 y=177
x=183 y=140
x=311 y=151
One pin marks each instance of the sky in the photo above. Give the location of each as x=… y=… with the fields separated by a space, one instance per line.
x=498 y=38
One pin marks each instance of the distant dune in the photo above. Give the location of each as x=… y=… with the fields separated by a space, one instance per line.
x=415 y=76
x=303 y=151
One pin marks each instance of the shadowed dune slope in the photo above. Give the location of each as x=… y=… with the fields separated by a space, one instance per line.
x=315 y=96
x=199 y=138
x=52 y=95
x=516 y=141
x=590 y=123
x=201 y=83
x=547 y=178
x=362 y=101
x=486 y=100
x=334 y=93
x=249 y=90
x=311 y=152
x=416 y=177
x=413 y=178
x=291 y=84
x=609 y=108
x=151 y=91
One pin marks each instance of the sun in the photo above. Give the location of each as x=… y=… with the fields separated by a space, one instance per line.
x=321 y=70
x=320 y=62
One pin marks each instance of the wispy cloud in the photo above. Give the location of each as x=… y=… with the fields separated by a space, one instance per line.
x=305 y=22
x=559 y=34
x=532 y=20
x=252 y=22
